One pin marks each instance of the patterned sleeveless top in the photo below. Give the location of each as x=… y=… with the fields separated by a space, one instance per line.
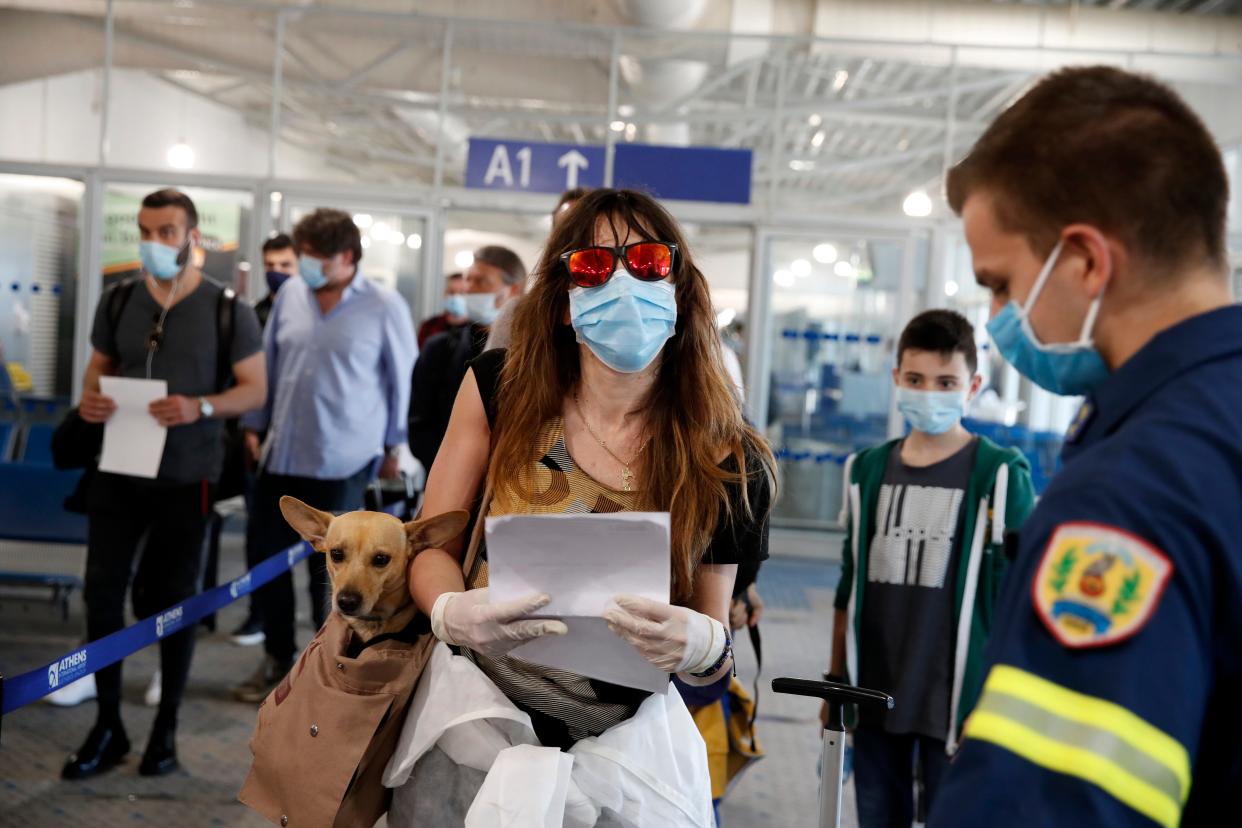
x=564 y=706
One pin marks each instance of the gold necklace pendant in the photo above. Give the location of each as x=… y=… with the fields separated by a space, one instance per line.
x=627 y=475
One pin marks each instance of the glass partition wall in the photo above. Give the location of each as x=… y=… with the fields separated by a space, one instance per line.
x=836 y=307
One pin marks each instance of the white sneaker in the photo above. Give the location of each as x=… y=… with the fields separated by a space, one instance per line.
x=154 y=690
x=74 y=693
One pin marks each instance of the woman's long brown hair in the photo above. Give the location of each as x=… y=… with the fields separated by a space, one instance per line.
x=693 y=416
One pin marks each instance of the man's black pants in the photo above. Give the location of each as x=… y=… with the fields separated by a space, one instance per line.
x=267 y=533
x=121 y=510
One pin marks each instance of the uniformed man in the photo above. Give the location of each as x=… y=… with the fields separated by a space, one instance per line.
x=1095 y=212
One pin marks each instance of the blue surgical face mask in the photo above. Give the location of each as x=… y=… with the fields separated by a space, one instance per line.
x=455 y=305
x=161 y=260
x=931 y=412
x=1068 y=368
x=481 y=307
x=275 y=279
x=311 y=271
x=625 y=322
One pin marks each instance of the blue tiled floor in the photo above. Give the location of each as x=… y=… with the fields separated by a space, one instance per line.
x=785 y=583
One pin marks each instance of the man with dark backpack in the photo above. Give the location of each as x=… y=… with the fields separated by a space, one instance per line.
x=167 y=328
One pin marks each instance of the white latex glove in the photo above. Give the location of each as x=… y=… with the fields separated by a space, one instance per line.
x=468 y=620
x=675 y=639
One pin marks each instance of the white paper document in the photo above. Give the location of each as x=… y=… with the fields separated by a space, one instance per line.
x=133 y=442
x=583 y=561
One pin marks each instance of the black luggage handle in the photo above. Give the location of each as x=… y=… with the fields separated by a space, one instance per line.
x=835 y=694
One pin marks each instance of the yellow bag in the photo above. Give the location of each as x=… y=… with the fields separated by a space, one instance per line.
x=733 y=747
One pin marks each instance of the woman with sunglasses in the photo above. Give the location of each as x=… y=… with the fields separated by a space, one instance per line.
x=612 y=397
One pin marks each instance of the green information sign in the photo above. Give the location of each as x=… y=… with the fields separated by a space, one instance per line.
x=219 y=221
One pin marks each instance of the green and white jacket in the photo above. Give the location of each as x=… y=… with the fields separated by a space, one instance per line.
x=1000 y=489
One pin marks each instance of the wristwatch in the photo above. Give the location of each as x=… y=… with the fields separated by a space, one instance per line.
x=205 y=409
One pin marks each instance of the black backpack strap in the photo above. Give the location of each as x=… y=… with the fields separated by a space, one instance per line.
x=226 y=308
x=118 y=298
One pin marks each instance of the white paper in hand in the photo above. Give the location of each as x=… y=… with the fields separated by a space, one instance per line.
x=133 y=442
x=582 y=561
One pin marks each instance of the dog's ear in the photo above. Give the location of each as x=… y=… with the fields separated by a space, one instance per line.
x=311 y=524
x=436 y=531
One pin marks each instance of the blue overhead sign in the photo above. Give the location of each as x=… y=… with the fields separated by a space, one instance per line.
x=679 y=173
x=532 y=167
x=684 y=173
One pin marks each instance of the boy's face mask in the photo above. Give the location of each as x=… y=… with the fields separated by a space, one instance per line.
x=931 y=412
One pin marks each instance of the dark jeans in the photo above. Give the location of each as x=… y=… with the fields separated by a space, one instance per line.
x=122 y=510
x=267 y=533
x=884 y=775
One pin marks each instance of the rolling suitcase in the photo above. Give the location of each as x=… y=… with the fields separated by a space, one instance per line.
x=836 y=696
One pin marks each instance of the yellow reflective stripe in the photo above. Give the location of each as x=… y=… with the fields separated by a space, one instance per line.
x=1074 y=761
x=1096 y=713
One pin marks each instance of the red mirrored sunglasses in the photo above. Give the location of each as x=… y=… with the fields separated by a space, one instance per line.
x=646 y=261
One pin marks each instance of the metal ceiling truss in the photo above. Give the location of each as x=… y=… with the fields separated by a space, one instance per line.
x=828 y=122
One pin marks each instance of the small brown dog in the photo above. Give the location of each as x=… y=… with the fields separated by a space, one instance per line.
x=368 y=555
x=326 y=733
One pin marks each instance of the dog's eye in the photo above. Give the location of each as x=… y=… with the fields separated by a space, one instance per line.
x=380 y=560
x=337 y=555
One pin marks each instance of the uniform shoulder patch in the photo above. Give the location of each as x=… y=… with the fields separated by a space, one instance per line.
x=1097 y=584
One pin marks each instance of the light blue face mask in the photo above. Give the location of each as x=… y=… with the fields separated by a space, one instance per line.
x=625 y=322
x=481 y=307
x=311 y=271
x=931 y=412
x=455 y=305
x=161 y=260
x=1067 y=368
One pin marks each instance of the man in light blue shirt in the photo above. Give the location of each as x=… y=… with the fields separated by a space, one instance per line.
x=340 y=351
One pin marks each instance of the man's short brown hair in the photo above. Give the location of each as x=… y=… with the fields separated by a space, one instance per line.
x=1109 y=148
x=170 y=197
x=328 y=232
x=504 y=259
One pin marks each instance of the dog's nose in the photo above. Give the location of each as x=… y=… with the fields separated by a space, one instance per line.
x=348 y=602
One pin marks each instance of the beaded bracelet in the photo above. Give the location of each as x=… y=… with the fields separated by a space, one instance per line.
x=725 y=655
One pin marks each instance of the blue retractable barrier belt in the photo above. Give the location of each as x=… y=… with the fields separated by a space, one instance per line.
x=25 y=688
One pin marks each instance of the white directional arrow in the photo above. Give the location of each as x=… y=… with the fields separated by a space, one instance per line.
x=572 y=161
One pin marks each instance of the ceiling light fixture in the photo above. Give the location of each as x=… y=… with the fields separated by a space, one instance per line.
x=800 y=267
x=181 y=156
x=783 y=278
x=824 y=253
x=918 y=204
